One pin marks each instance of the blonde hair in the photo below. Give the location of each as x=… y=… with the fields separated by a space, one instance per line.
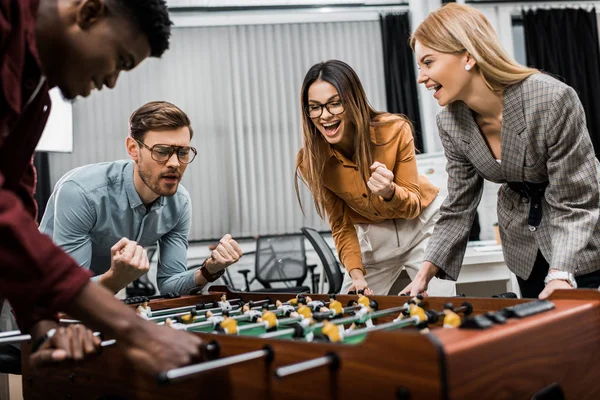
x=456 y=28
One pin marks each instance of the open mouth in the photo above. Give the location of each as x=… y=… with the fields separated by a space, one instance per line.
x=331 y=128
x=435 y=89
x=170 y=178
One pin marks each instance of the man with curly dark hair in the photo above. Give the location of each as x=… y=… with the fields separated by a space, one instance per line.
x=77 y=46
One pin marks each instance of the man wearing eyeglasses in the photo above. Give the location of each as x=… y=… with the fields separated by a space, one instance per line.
x=104 y=214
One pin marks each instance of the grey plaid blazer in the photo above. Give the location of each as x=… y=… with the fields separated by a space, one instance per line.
x=544 y=138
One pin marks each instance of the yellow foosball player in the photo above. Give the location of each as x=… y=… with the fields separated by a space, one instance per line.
x=451 y=319
x=305 y=312
x=299 y=299
x=417 y=312
x=229 y=325
x=269 y=318
x=332 y=331
x=335 y=305
x=189 y=318
x=363 y=300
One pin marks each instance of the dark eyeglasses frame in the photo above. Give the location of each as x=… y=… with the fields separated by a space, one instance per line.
x=326 y=105
x=174 y=150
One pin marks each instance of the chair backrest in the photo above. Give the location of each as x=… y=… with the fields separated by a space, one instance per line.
x=331 y=266
x=280 y=258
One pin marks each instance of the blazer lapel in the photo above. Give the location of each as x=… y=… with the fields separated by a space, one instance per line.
x=512 y=136
x=477 y=150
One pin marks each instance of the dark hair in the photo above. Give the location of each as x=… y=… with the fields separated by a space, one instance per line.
x=157 y=116
x=152 y=18
x=360 y=114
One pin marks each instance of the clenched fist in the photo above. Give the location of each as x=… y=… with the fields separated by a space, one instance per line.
x=381 y=181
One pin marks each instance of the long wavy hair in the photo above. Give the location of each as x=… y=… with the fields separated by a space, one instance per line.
x=456 y=28
x=359 y=113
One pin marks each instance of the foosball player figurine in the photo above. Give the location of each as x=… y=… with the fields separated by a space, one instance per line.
x=269 y=318
x=418 y=299
x=175 y=325
x=299 y=299
x=363 y=300
x=305 y=313
x=314 y=304
x=146 y=308
x=416 y=311
x=139 y=310
x=189 y=318
x=335 y=305
x=351 y=327
x=451 y=319
x=285 y=309
x=215 y=319
x=253 y=314
x=224 y=304
x=332 y=331
x=228 y=325
x=364 y=317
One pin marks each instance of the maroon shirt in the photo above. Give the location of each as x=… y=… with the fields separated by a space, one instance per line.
x=37 y=277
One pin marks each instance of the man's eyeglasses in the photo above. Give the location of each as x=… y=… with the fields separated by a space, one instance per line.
x=316 y=110
x=161 y=153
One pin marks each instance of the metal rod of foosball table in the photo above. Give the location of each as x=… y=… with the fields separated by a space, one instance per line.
x=16 y=339
x=9 y=333
x=330 y=359
x=68 y=321
x=393 y=324
x=190 y=371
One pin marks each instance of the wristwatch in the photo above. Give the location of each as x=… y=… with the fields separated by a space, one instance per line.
x=562 y=276
x=207 y=275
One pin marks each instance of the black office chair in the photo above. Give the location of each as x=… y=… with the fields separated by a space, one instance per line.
x=331 y=266
x=280 y=259
x=142 y=285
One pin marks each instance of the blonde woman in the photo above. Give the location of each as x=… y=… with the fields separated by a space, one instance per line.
x=360 y=167
x=509 y=124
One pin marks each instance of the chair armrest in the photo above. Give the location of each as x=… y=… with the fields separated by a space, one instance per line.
x=244 y=272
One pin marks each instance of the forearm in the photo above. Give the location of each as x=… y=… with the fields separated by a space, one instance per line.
x=182 y=282
x=110 y=282
x=97 y=308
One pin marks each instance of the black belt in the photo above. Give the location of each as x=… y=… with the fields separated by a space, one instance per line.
x=534 y=192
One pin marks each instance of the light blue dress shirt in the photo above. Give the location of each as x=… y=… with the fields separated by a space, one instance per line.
x=94 y=206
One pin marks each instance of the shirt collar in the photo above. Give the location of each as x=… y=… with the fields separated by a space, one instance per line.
x=133 y=197
x=330 y=153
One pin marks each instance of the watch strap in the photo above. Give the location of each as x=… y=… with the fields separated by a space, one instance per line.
x=207 y=275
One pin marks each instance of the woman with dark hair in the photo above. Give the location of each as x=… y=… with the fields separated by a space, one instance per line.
x=361 y=169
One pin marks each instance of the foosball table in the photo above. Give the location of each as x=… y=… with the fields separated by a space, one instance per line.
x=281 y=346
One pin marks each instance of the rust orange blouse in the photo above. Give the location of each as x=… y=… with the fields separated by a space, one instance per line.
x=349 y=201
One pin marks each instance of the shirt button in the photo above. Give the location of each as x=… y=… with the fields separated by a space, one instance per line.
x=45 y=108
x=525 y=200
x=532 y=228
x=364 y=195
